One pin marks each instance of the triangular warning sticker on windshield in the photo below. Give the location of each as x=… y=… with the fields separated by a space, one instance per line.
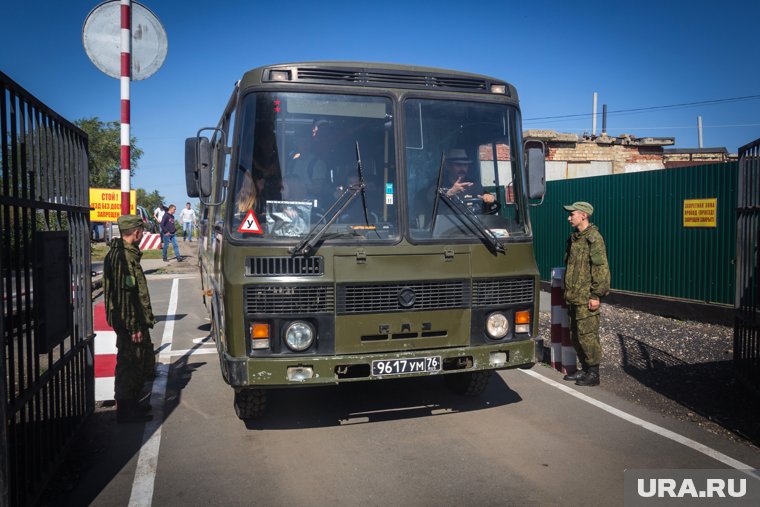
x=250 y=224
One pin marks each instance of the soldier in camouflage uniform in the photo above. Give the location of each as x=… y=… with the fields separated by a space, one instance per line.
x=587 y=280
x=129 y=312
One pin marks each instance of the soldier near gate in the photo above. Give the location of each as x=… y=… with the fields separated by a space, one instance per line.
x=587 y=280
x=129 y=312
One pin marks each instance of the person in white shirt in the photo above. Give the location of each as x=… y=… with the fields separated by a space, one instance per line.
x=187 y=217
x=158 y=213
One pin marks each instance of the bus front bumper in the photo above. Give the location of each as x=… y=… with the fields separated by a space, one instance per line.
x=326 y=370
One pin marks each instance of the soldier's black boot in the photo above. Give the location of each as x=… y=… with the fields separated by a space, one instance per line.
x=577 y=375
x=127 y=412
x=591 y=378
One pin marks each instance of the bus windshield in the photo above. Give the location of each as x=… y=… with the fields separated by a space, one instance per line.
x=473 y=150
x=299 y=153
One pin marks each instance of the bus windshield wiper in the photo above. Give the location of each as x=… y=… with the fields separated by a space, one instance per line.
x=463 y=211
x=308 y=244
x=438 y=185
x=360 y=172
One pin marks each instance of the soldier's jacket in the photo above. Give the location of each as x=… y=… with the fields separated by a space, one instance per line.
x=588 y=274
x=125 y=288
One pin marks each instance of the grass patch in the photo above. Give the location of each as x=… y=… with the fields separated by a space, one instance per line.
x=99 y=251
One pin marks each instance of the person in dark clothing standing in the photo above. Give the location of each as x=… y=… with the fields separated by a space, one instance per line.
x=169 y=233
x=587 y=280
x=129 y=313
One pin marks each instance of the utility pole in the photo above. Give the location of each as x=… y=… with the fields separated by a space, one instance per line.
x=699 y=130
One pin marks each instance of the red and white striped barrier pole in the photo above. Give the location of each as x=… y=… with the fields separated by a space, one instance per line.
x=126 y=77
x=150 y=241
x=568 y=351
x=558 y=302
x=105 y=354
x=563 y=352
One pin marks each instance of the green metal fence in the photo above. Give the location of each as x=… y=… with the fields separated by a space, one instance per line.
x=641 y=216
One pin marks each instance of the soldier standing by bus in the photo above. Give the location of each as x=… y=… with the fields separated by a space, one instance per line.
x=587 y=280
x=129 y=312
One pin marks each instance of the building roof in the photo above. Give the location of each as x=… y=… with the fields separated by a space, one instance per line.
x=622 y=139
x=694 y=151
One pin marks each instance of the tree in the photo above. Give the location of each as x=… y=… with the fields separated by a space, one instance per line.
x=149 y=201
x=105 y=152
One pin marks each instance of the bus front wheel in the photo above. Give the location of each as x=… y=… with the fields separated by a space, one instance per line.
x=250 y=403
x=471 y=383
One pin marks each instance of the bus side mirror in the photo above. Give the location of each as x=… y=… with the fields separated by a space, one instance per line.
x=198 y=166
x=535 y=159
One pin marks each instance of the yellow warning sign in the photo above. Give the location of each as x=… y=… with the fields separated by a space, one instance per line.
x=106 y=204
x=700 y=212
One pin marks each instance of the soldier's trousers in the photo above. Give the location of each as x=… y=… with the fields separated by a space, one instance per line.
x=584 y=334
x=131 y=364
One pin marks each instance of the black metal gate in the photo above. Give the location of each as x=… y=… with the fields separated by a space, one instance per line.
x=46 y=361
x=747 y=303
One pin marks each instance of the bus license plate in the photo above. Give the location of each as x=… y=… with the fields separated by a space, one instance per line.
x=410 y=365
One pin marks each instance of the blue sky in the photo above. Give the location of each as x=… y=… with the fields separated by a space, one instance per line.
x=634 y=54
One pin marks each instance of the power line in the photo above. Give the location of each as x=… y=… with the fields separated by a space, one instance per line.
x=652 y=108
x=626 y=129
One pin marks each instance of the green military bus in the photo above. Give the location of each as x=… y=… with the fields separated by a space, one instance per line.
x=365 y=221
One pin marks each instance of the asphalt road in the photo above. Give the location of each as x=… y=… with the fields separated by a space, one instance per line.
x=409 y=442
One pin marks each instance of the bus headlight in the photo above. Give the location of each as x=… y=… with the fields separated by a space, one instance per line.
x=497 y=326
x=299 y=336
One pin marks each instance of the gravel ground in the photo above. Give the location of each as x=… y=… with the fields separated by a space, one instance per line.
x=682 y=369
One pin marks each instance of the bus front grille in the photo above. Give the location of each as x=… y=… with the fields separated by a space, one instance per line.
x=502 y=291
x=390 y=78
x=278 y=266
x=399 y=297
x=289 y=299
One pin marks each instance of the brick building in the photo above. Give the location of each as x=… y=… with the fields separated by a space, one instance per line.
x=696 y=156
x=571 y=156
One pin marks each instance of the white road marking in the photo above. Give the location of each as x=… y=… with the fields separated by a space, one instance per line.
x=693 y=444
x=193 y=352
x=145 y=474
x=203 y=339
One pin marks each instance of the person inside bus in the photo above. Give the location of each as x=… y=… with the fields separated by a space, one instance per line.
x=459 y=183
x=249 y=190
x=294 y=189
x=309 y=163
x=259 y=177
x=266 y=162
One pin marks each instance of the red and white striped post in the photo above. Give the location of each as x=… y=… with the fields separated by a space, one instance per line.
x=558 y=301
x=126 y=77
x=563 y=353
x=105 y=354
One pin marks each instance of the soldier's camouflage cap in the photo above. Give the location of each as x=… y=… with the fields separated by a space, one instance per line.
x=127 y=222
x=580 y=206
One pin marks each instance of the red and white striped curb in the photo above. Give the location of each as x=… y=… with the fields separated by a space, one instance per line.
x=150 y=241
x=105 y=354
x=563 y=355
